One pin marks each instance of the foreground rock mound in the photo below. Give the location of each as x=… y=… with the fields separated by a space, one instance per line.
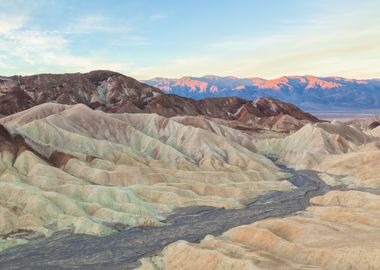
x=339 y=231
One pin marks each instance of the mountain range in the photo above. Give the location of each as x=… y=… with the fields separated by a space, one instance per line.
x=308 y=92
x=113 y=92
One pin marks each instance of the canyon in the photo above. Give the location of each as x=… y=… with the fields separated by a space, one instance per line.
x=100 y=171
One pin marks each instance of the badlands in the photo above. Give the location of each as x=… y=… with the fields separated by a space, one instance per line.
x=120 y=175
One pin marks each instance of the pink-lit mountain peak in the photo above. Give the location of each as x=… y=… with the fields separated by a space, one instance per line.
x=209 y=82
x=231 y=82
x=192 y=83
x=309 y=91
x=307 y=82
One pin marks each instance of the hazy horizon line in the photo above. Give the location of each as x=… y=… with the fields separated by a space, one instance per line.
x=196 y=76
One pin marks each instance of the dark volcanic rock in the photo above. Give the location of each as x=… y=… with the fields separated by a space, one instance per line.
x=106 y=90
x=266 y=107
x=374 y=125
x=113 y=92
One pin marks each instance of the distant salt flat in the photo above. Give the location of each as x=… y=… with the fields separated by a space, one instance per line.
x=343 y=116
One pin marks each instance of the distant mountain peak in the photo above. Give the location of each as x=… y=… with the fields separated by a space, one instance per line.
x=307 y=91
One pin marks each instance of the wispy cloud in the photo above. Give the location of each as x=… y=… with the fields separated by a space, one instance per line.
x=11 y=22
x=335 y=39
x=29 y=45
x=48 y=49
x=346 y=44
x=94 y=23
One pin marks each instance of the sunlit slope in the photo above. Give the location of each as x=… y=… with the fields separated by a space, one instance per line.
x=349 y=154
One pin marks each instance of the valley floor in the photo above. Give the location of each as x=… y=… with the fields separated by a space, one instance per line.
x=189 y=224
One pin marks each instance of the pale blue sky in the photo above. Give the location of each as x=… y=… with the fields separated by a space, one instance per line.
x=168 y=38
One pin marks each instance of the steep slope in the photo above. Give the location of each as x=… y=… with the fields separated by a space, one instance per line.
x=91 y=172
x=374 y=132
x=308 y=92
x=374 y=125
x=106 y=90
x=347 y=155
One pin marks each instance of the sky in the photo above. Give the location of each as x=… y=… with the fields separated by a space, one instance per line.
x=172 y=38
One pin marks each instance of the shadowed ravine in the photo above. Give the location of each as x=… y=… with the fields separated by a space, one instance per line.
x=124 y=249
